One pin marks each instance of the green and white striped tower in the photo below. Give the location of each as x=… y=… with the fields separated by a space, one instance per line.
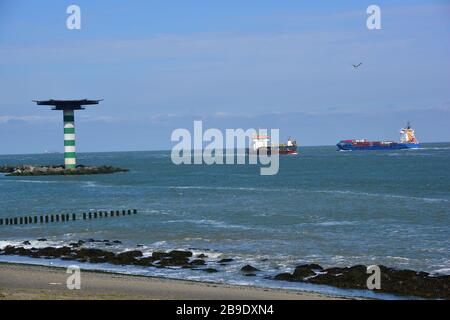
x=68 y=107
x=70 y=159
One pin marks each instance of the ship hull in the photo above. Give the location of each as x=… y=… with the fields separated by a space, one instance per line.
x=373 y=147
x=291 y=150
x=285 y=149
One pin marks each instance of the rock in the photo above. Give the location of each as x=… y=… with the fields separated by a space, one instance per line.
x=348 y=278
x=248 y=268
x=26 y=243
x=127 y=257
x=145 y=262
x=306 y=270
x=7 y=169
x=225 y=260
x=134 y=254
x=51 y=252
x=28 y=170
x=198 y=262
x=19 y=251
x=202 y=256
x=157 y=255
x=284 y=276
x=171 y=262
x=400 y=282
x=90 y=252
x=172 y=258
x=410 y=282
x=42 y=239
x=102 y=259
x=312 y=266
x=301 y=274
x=180 y=254
x=23 y=252
x=94 y=255
x=393 y=281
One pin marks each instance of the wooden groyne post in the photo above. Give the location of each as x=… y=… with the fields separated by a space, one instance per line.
x=65 y=217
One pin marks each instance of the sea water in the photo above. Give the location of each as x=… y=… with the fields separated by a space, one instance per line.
x=326 y=207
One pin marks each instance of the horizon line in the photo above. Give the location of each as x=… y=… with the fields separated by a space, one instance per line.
x=165 y=150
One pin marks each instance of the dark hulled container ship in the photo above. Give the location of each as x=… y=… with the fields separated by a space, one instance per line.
x=407 y=141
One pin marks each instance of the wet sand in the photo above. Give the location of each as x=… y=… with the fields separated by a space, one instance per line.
x=29 y=282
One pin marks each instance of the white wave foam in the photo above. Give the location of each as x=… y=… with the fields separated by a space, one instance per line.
x=33 y=243
x=397 y=258
x=32 y=181
x=445 y=271
x=367 y=194
x=216 y=188
x=435 y=148
x=158 y=244
x=334 y=223
x=213 y=223
x=90 y=184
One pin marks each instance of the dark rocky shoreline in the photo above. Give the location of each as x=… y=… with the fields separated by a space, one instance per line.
x=393 y=281
x=29 y=170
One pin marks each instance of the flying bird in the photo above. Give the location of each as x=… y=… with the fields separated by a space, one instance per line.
x=356 y=65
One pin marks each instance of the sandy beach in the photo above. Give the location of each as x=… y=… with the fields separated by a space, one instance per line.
x=28 y=282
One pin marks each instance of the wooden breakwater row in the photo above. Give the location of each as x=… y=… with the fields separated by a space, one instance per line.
x=65 y=217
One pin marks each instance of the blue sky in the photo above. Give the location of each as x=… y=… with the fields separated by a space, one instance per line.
x=159 y=65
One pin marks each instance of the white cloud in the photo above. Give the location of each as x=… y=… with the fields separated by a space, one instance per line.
x=56 y=119
x=28 y=119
